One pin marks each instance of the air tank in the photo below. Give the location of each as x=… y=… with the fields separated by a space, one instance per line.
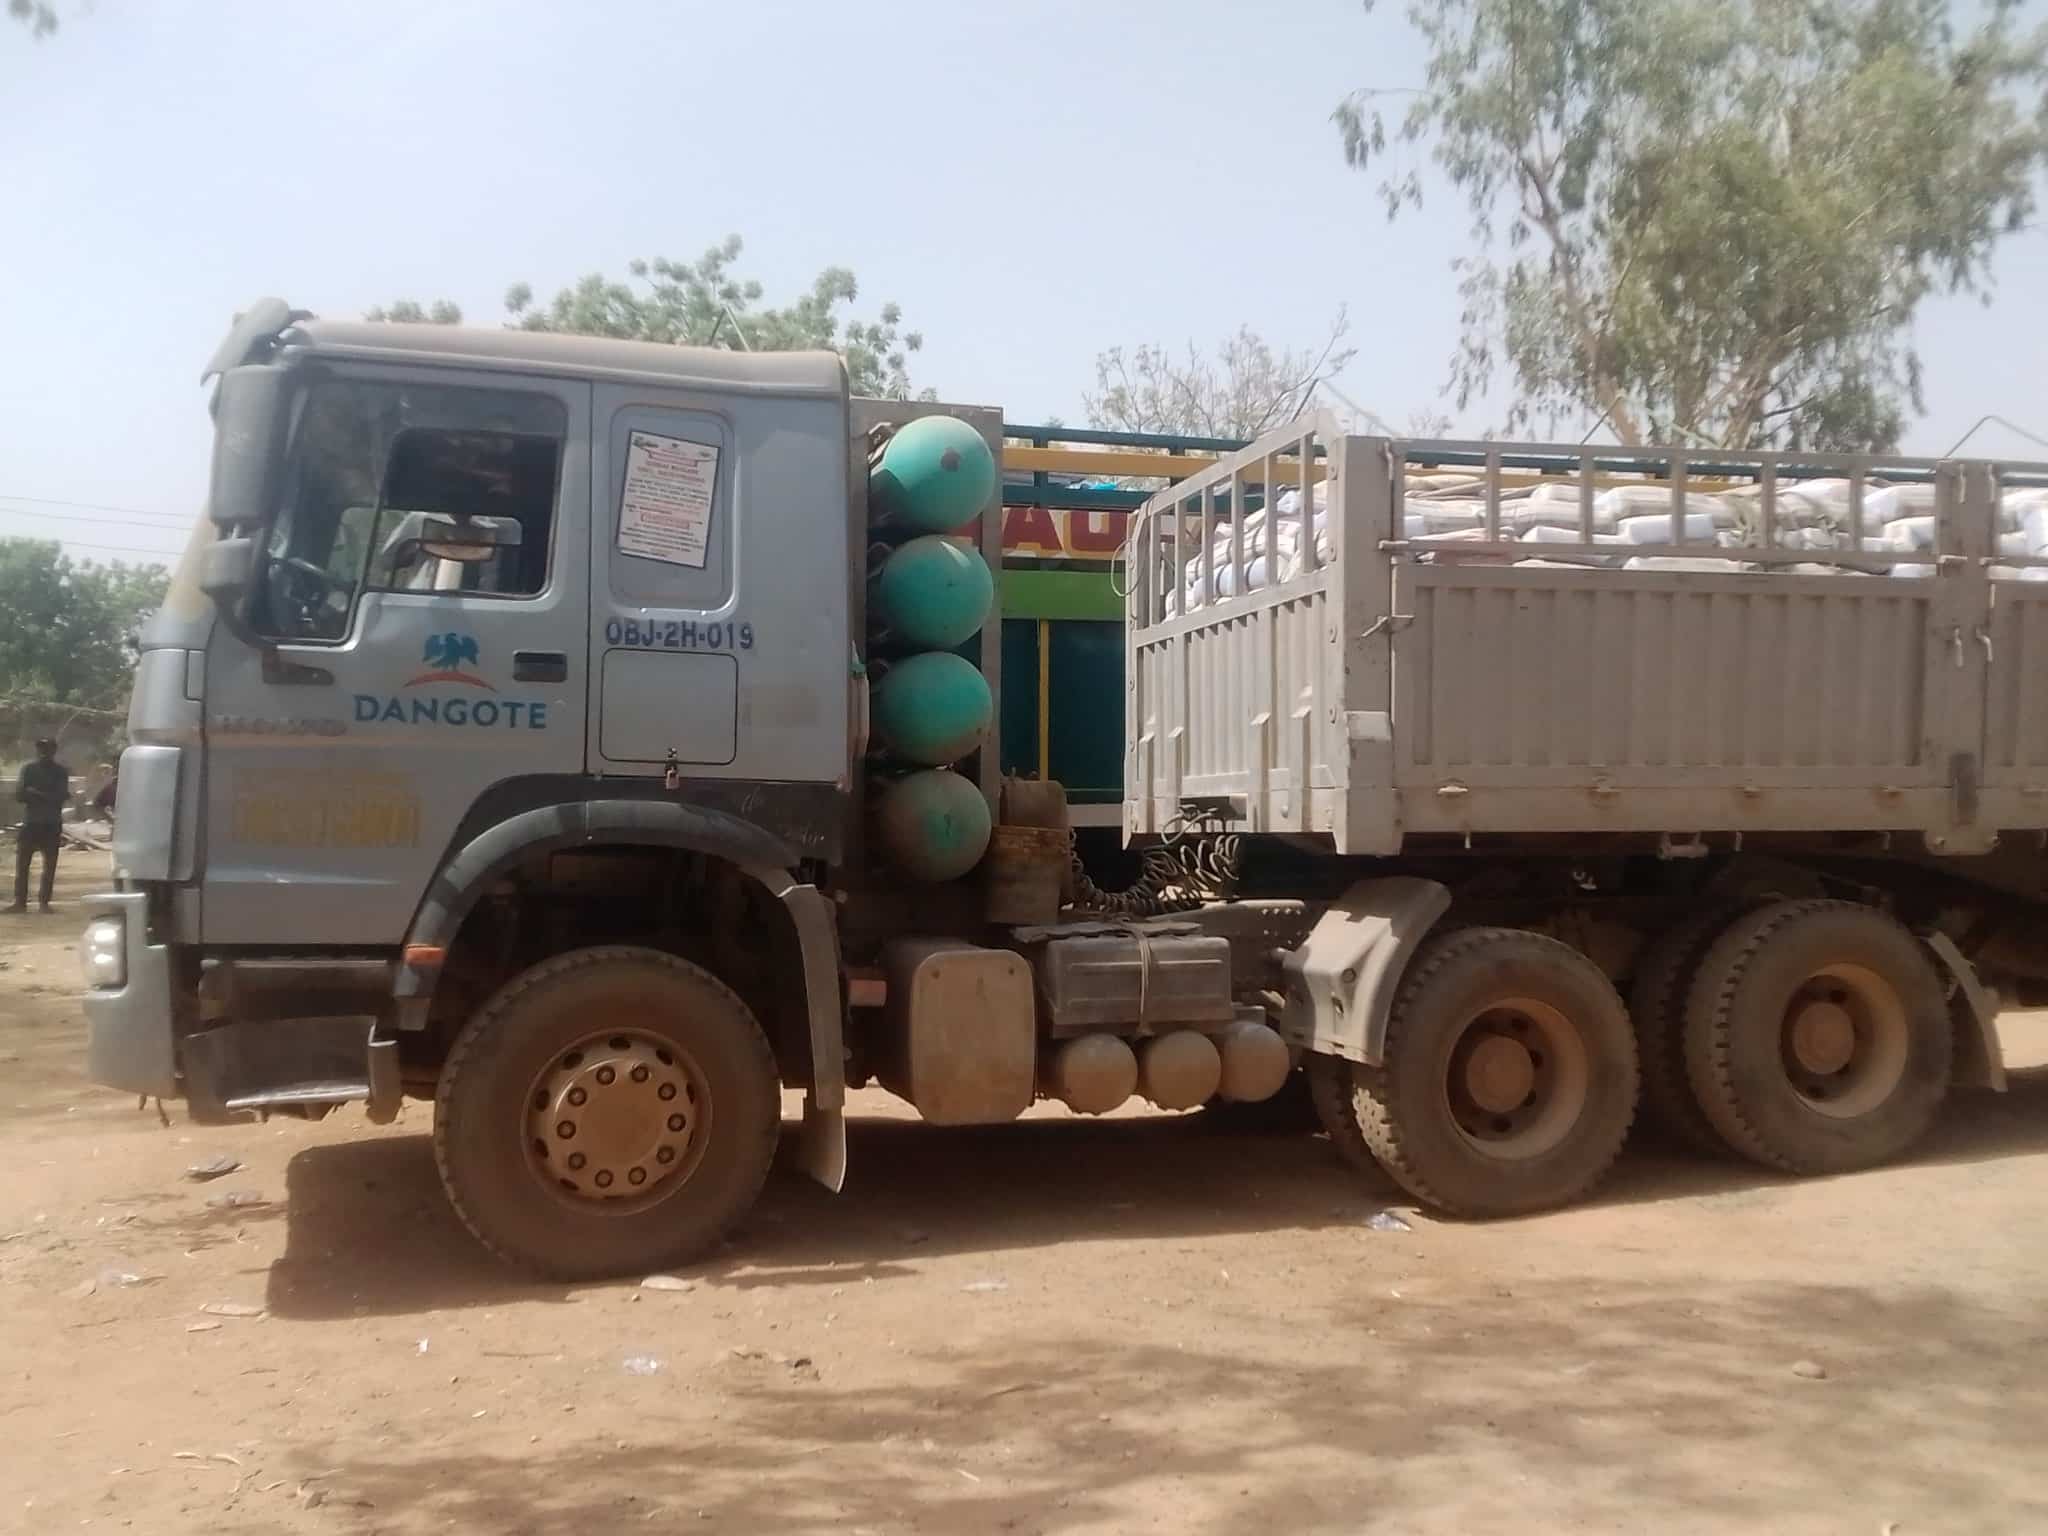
x=935 y=475
x=931 y=594
x=932 y=708
x=1256 y=1062
x=933 y=825
x=1179 y=1070
x=1092 y=1074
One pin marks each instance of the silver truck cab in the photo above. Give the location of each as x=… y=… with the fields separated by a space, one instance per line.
x=465 y=599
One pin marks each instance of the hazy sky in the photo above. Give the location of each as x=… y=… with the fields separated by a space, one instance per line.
x=1032 y=181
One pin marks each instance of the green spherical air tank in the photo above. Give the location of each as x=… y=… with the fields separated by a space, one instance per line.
x=933 y=825
x=933 y=593
x=936 y=474
x=933 y=707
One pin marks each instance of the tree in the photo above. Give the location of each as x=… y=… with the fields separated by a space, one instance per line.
x=70 y=638
x=704 y=303
x=1711 y=221
x=1246 y=388
x=39 y=17
x=412 y=312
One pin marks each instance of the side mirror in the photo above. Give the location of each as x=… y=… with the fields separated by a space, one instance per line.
x=250 y=409
x=229 y=565
x=249 y=413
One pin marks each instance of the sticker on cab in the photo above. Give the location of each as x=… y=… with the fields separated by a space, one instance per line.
x=665 y=504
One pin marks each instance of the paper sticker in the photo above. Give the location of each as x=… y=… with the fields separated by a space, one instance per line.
x=665 y=508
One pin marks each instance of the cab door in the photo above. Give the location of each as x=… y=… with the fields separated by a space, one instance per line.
x=398 y=687
x=718 y=617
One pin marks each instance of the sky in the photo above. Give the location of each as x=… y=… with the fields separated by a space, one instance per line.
x=1033 y=182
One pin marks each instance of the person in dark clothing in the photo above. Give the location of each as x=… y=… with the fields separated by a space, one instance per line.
x=44 y=786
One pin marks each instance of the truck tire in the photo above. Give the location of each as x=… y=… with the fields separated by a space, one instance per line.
x=1332 y=1093
x=1656 y=1005
x=610 y=1111
x=1818 y=1038
x=1509 y=1076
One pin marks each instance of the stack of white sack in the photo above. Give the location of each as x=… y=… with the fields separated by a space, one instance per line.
x=1444 y=512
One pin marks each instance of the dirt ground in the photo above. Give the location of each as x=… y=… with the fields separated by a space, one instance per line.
x=1137 y=1324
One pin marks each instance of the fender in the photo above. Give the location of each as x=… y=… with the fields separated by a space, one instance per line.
x=1980 y=1059
x=1341 y=979
x=759 y=855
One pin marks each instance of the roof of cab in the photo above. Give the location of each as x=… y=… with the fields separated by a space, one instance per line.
x=781 y=373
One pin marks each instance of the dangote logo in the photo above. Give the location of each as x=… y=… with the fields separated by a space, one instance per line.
x=448 y=658
x=445 y=655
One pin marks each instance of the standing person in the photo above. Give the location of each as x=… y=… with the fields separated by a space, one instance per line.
x=44 y=786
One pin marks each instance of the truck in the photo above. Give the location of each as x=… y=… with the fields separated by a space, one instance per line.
x=596 y=739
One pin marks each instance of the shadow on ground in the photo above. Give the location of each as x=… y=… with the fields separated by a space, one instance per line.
x=370 y=1233
x=1661 y=1401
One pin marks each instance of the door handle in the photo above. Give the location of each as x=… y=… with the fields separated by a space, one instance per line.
x=540 y=666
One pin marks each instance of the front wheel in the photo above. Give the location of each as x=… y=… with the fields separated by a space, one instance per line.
x=610 y=1111
x=1509 y=1076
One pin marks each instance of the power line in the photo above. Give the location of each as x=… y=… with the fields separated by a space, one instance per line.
x=91 y=506
x=161 y=556
x=97 y=522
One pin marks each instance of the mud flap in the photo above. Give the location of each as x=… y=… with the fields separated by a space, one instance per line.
x=824 y=1144
x=824 y=1134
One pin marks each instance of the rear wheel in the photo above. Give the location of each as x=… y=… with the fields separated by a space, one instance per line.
x=611 y=1110
x=1817 y=1037
x=1509 y=1075
x=1657 y=1007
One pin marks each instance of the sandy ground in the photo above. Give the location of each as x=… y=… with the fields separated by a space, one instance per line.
x=1061 y=1326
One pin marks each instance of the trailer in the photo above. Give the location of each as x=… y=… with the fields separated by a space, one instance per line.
x=1762 y=737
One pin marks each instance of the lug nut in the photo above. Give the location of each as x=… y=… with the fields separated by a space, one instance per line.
x=636 y=1175
x=578 y=1096
x=606 y=1076
x=565 y=1129
x=675 y=1122
x=640 y=1074
x=665 y=1154
x=604 y=1178
x=667 y=1091
x=576 y=1161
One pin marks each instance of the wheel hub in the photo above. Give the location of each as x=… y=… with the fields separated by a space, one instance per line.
x=1823 y=1036
x=1499 y=1074
x=613 y=1118
x=1517 y=1078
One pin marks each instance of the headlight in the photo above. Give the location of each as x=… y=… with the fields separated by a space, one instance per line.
x=104 y=954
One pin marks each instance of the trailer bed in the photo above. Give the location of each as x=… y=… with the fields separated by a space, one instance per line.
x=1352 y=672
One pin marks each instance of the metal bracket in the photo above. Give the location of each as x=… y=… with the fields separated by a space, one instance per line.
x=1390 y=622
x=1670 y=848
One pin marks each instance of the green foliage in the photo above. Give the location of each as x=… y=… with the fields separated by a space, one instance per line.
x=1247 y=387
x=70 y=635
x=39 y=17
x=1712 y=220
x=705 y=303
x=412 y=312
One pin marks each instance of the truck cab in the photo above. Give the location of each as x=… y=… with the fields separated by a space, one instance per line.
x=490 y=641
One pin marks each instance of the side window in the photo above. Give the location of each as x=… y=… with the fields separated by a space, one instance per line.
x=382 y=474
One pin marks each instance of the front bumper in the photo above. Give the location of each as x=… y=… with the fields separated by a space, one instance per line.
x=128 y=1041
x=232 y=1068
